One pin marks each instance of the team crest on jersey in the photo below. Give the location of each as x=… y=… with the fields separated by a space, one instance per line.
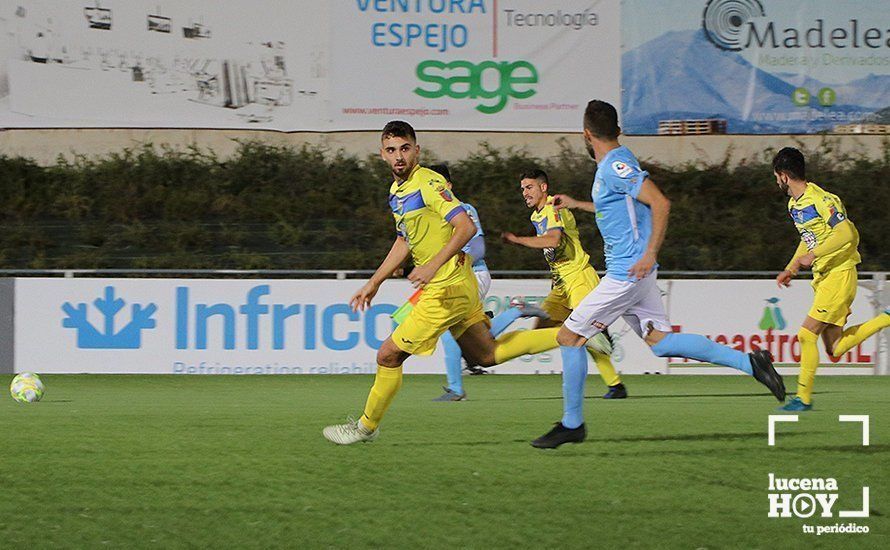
x=622 y=169
x=445 y=193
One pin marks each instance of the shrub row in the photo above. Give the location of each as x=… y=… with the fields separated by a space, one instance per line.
x=283 y=208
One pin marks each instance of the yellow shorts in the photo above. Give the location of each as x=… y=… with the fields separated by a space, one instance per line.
x=456 y=307
x=566 y=297
x=834 y=296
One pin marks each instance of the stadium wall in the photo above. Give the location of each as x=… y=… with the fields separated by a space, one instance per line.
x=237 y=326
x=46 y=145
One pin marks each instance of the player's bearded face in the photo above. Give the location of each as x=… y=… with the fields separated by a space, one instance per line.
x=782 y=182
x=532 y=192
x=590 y=150
x=401 y=154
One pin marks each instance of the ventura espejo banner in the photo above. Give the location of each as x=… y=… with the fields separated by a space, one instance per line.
x=163 y=63
x=303 y=65
x=754 y=66
x=474 y=64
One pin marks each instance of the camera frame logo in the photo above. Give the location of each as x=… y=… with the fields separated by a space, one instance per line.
x=724 y=20
x=804 y=498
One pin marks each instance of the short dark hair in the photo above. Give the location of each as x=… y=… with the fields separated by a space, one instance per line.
x=534 y=174
x=399 y=129
x=442 y=170
x=790 y=161
x=601 y=119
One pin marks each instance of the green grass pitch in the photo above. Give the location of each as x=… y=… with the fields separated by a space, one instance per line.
x=224 y=462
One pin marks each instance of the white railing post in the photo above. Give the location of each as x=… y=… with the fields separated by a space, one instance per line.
x=881 y=301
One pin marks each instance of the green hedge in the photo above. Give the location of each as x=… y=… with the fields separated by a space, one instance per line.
x=283 y=208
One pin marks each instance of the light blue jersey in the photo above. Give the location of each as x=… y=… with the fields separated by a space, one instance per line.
x=624 y=222
x=476 y=246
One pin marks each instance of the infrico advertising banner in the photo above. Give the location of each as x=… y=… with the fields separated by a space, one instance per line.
x=472 y=64
x=755 y=66
x=192 y=326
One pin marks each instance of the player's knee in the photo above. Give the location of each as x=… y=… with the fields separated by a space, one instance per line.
x=566 y=337
x=389 y=355
x=653 y=337
x=806 y=336
x=485 y=359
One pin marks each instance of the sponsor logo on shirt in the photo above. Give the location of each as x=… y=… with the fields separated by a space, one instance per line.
x=622 y=169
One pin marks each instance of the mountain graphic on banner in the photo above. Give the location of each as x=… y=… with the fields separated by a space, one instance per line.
x=680 y=75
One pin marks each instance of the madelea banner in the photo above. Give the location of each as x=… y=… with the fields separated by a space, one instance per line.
x=756 y=66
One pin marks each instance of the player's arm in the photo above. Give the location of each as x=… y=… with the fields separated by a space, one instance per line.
x=550 y=239
x=791 y=269
x=398 y=253
x=476 y=248
x=464 y=229
x=843 y=233
x=565 y=201
x=651 y=196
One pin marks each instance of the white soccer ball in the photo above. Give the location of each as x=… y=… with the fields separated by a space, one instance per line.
x=27 y=387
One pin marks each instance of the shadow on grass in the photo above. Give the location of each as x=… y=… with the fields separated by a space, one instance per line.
x=591 y=442
x=635 y=397
x=858 y=449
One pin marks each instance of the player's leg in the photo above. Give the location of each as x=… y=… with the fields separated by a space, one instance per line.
x=578 y=288
x=656 y=329
x=808 y=338
x=417 y=335
x=592 y=315
x=387 y=383
x=851 y=337
x=834 y=294
x=840 y=342
x=454 y=391
x=480 y=348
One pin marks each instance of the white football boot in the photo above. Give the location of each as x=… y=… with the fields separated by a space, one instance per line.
x=351 y=432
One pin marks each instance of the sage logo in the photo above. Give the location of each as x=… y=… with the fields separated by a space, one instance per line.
x=493 y=83
x=109 y=337
x=724 y=20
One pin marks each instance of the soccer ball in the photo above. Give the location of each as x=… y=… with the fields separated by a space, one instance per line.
x=26 y=388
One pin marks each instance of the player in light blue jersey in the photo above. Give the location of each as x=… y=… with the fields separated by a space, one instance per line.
x=632 y=215
x=454 y=391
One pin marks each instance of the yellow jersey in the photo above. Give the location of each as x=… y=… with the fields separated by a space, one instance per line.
x=423 y=206
x=569 y=257
x=815 y=213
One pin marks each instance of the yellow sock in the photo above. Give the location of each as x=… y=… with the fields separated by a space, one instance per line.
x=604 y=365
x=809 y=362
x=520 y=342
x=854 y=336
x=386 y=385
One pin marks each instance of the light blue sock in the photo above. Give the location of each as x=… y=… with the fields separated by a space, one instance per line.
x=452 y=362
x=503 y=320
x=694 y=346
x=574 y=373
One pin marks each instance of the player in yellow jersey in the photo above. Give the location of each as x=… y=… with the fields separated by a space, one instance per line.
x=828 y=245
x=432 y=226
x=573 y=277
